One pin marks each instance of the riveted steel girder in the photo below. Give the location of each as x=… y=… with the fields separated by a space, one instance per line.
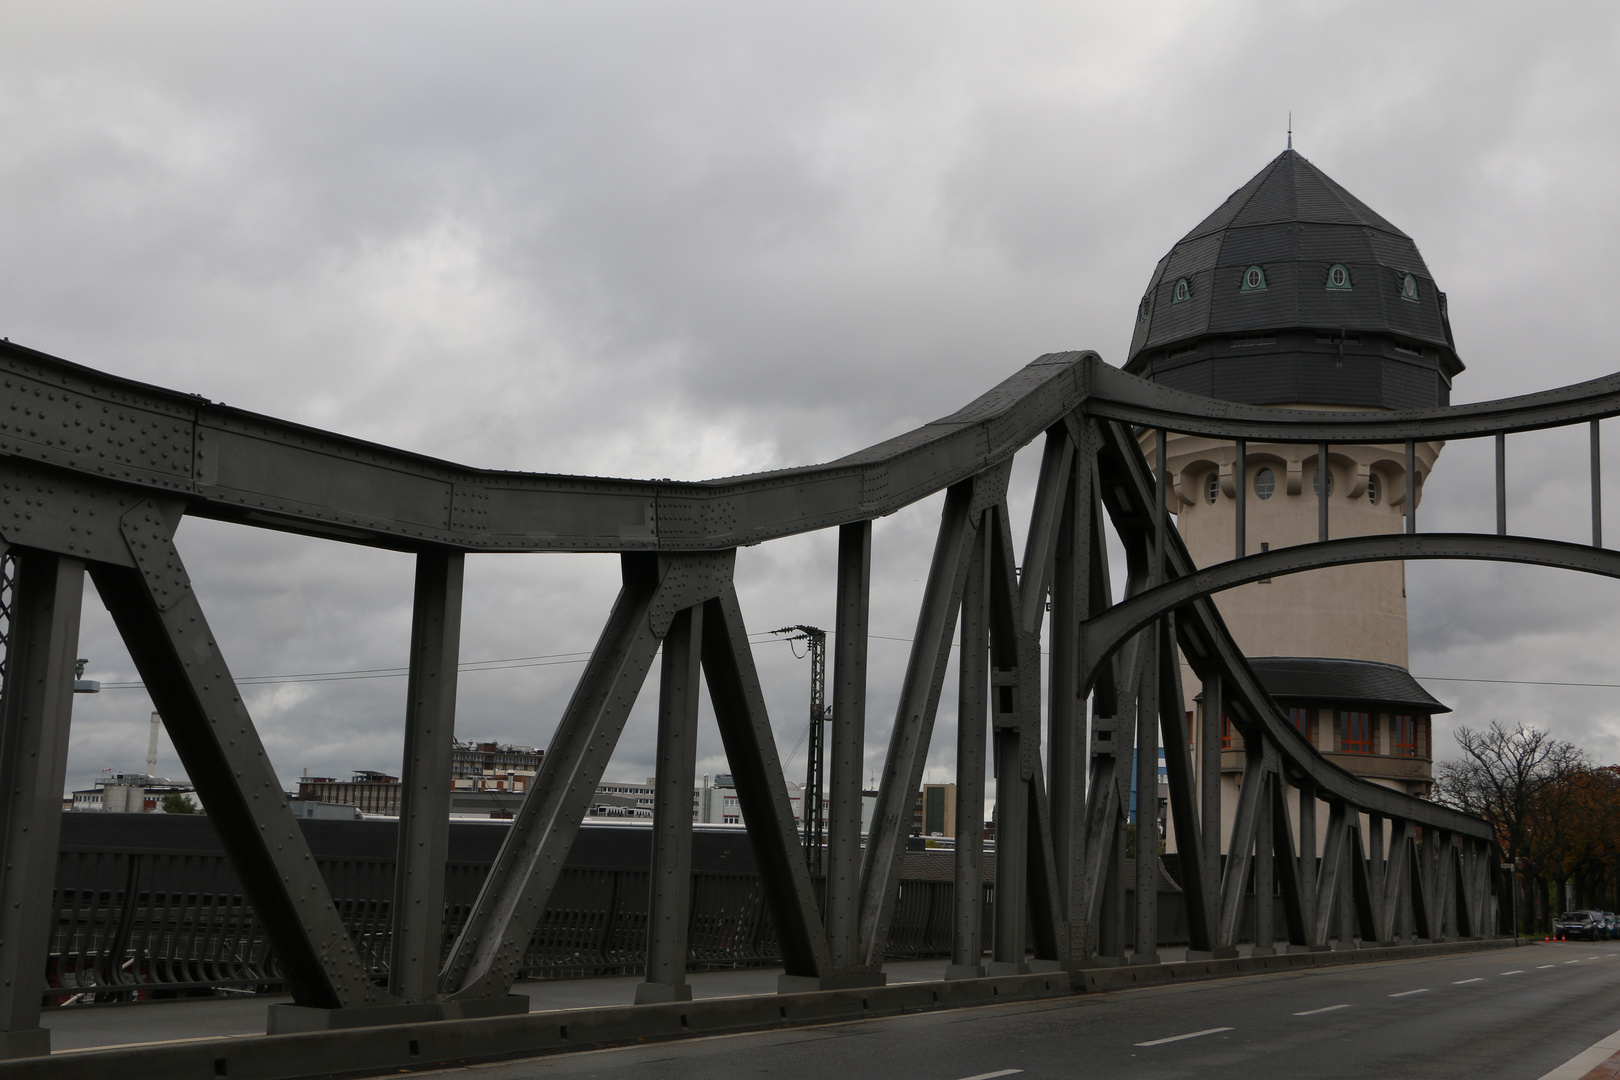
x=1117 y=395
x=162 y=624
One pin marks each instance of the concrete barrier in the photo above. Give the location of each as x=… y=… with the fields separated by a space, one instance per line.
x=448 y=1043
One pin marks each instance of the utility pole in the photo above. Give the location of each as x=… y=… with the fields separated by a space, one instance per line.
x=815 y=826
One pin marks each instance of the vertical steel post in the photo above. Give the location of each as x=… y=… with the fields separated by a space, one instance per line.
x=1240 y=484
x=1307 y=855
x=1009 y=707
x=670 y=883
x=848 y=759
x=1012 y=853
x=1324 y=480
x=1209 y=779
x=972 y=718
x=1161 y=480
x=1597 y=488
x=1411 y=486
x=424 y=812
x=1375 y=872
x=1501 y=483
x=36 y=705
x=1265 y=927
x=1065 y=714
x=1147 y=797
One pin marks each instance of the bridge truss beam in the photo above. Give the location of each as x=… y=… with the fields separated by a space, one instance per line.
x=97 y=474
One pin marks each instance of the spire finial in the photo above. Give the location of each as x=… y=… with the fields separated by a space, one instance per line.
x=1290 y=130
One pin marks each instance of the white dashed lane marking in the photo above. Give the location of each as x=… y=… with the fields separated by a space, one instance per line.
x=1464 y=982
x=1327 y=1008
x=1520 y=971
x=1539 y=967
x=1409 y=993
x=992 y=1076
x=1178 y=1038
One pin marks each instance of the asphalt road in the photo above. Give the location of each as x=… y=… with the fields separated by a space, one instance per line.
x=1513 y=1014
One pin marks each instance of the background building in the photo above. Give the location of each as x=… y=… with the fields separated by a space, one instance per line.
x=1294 y=293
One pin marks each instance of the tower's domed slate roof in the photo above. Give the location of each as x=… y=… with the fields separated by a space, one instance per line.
x=1343 y=310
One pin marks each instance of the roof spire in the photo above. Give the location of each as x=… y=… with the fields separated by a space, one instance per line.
x=1290 y=129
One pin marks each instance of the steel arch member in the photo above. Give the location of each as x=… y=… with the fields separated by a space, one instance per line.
x=1119 y=395
x=1104 y=634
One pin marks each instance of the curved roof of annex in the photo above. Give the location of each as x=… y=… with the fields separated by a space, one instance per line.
x=1296 y=224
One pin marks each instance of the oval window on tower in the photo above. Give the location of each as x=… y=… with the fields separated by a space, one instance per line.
x=1212 y=490
x=1372 y=488
x=1338 y=277
x=1182 y=292
x=1254 y=279
x=1409 y=288
x=1265 y=483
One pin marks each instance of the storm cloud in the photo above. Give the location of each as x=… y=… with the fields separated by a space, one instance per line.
x=693 y=240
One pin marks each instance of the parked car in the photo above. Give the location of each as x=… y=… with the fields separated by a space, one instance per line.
x=1581 y=926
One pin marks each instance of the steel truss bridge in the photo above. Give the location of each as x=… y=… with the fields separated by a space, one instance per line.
x=97 y=473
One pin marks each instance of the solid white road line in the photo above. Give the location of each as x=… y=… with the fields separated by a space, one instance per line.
x=1519 y=971
x=992 y=1076
x=1409 y=993
x=1178 y=1038
x=1313 y=1012
x=1585 y=1061
x=1460 y=982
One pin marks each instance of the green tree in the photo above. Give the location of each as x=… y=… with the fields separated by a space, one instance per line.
x=176 y=803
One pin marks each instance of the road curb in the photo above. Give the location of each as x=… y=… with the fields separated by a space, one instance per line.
x=1127 y=978
x=448 y=1043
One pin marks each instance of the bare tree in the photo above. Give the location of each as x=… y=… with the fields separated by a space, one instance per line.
x=1519 y=779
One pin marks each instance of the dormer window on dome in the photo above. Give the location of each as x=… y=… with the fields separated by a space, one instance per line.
x=1142 y=311
x=1238 y=308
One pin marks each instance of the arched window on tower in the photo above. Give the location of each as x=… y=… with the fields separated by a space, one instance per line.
x=1181 y=292
x=1338 y=277
x=1409 y=287
x=1254 y=279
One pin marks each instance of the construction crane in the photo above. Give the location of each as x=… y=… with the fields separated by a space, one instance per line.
x=815 y=826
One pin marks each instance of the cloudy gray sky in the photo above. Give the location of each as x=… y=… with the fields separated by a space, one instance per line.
x=689 y=240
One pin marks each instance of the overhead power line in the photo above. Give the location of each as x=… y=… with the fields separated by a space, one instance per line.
x=510 y=663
